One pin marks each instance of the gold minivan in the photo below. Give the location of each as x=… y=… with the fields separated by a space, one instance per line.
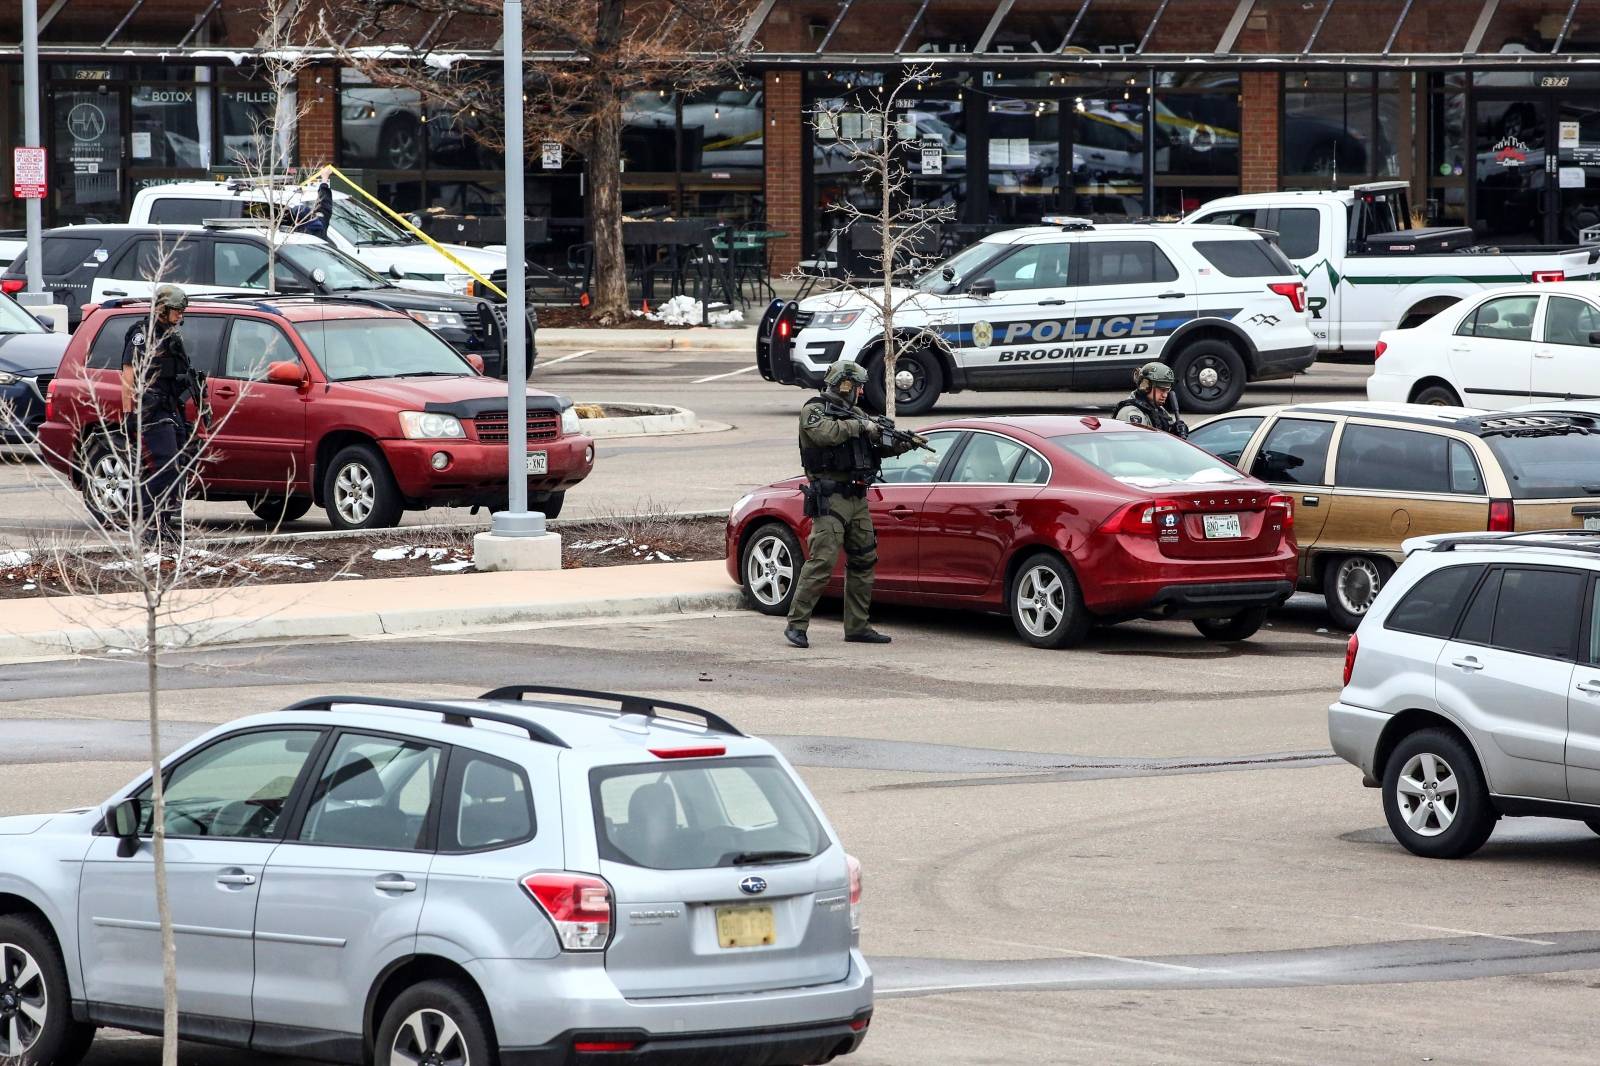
x=1365 y=476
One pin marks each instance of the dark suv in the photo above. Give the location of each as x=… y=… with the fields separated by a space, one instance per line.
x=356 y=408
x=90 y=264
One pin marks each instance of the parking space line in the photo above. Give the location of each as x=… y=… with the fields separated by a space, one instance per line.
x=564 y=358
x=1457 y=932
x=719 y=377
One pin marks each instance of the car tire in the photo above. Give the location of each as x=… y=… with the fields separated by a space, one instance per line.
x=1211 y=377
x=550 y=506
x=27 y=947
x=358 y=490
x=276 y=510
x=1241 y=626
x=927 y=382
x=1349 y=585
x=108 y=487
x=447 y=1015
x=1046 y=604
x=769 y=568
x=1438 y=396
x=1435 y=766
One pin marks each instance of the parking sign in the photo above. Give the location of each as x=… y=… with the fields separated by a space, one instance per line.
x=27 y=173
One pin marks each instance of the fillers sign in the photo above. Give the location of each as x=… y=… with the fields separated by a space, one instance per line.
x=27 y=173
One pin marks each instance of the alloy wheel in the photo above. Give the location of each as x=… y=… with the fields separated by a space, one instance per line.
x=1041 y=601
x=429 y=1038
x=769 y=570
x=1358 y=583
x=1427 y=793
x=110 y=485
x=354 y=493
x=23 y=1001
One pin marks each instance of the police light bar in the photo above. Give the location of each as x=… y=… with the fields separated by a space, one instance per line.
x=1068 y=222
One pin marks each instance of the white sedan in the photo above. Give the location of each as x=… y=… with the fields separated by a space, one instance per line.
x=1508 y=346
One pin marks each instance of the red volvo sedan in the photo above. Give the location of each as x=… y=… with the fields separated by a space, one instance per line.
x=1060 y=521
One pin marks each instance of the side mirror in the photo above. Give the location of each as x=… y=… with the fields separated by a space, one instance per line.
x=286 y=373
x=476 y=360
x=982 y=287
x=122 y=822
x=395 y=271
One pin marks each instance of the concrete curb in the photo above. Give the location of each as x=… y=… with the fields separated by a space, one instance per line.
x=741 y=339
x=221 y=632
x=669 y=420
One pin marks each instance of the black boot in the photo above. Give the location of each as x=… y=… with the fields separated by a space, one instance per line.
x=867 y=636
x=797 y=637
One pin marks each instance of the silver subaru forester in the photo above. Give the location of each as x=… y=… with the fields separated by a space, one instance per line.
x=585 y=878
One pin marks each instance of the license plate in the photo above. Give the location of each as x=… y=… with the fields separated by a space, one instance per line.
x=538 y=462
x=745 y=927
x=1221 y=526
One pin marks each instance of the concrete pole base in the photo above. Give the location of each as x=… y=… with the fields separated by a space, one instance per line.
x=493 y=551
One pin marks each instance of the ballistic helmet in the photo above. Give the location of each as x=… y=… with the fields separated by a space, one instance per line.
x=170 y=298
x=1157 y=375
x=845 y=368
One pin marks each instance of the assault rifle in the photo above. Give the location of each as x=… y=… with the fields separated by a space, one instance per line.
x=885 y=426
x=192 y=382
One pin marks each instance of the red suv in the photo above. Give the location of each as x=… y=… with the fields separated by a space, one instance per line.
x=1060 y=521
x=362 y=410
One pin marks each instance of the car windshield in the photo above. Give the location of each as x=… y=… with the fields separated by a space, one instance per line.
x=14 y=319
x=703 y=814
x=953 y=272
x=358 y=225
x=1146 y=459
x=1550 y=465
x=359 y=349
x=340 y=273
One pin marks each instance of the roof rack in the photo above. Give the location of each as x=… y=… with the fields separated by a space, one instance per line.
x=452 y=715
x=1588 y=549
x=626 y=704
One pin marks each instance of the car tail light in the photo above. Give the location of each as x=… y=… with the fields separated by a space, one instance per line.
x=1351 y=646
x=578 y=905
x=1293 y=291
x=1280 y=502
x=590 y=1047
x=854 y=865
x=1142 y=518
x=12 y=286
x=1502 y=516
x=859 y=1024
x=689 y=753
x=1377 y=353
x=50 y=401
x=1549 y=275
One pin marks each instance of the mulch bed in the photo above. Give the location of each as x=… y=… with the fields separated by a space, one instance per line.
x=431 y=553
x=569 y=317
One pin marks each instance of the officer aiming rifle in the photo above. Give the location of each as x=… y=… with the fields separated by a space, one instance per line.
x=157 y=378
x=841 y=449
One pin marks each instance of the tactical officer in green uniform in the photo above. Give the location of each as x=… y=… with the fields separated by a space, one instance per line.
x=1153 y=402
x=840 y=451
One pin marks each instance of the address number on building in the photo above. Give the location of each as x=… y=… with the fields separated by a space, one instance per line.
x=28 y=173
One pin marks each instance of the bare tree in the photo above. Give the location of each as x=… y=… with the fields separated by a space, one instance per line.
x=875 y=134
x=155 y=592
x=618 y=48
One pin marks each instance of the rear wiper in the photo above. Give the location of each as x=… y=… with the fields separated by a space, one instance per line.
x=747 y=858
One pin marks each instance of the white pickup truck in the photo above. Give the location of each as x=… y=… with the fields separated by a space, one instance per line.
x=1367 y=269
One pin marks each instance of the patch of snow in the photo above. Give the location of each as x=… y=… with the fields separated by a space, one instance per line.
x=443 y=60
x=389 y=555
x=15 y=558
x=685 y=310
x=29 y=587
x=415 y=551
x=346 y=574
x=460 y=564
x=296 y=561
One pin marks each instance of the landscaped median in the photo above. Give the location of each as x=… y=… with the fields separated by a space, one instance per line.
x=48 y=627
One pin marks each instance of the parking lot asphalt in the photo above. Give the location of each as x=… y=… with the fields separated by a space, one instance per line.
x=699 y=471
x=1138 y=851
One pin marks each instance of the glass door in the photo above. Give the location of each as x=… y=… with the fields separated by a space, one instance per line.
x=1577 y=184
x=87 y=157
x=1026 y=146
x=1108 y=172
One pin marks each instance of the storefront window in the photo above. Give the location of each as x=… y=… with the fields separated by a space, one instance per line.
x=248 y=118
x=1024 y=160
x=721 y=132
x=379 y=126
x=1108 y=156
x=934 y=123
x=1192 y=27
x=453 y=143
x=1341 y=124
x=1197 y=133
x=649 y=131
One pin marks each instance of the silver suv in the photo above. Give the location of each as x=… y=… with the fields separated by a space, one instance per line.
x=1472 y=687
x=457 y=883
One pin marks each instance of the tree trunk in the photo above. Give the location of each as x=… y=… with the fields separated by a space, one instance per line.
x=603 y=161
x=169 y=947
x=891 y=353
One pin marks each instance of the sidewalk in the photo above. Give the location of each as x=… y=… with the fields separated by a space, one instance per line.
x=740 y=339
x=56 y=626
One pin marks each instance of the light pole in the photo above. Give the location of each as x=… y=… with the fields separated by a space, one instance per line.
x=31 y=139
x=517 y=537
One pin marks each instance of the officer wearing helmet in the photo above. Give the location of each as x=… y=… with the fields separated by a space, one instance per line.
x=156 y=379
x=1153 y=402
x=841 y=452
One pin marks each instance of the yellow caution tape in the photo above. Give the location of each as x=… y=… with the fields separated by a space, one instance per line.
x=329 y=168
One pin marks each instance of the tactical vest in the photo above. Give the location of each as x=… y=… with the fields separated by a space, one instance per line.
x=855 y=457
x=1159 y=417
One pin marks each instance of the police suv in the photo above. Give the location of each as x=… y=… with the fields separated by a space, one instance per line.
x=1070 y=305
